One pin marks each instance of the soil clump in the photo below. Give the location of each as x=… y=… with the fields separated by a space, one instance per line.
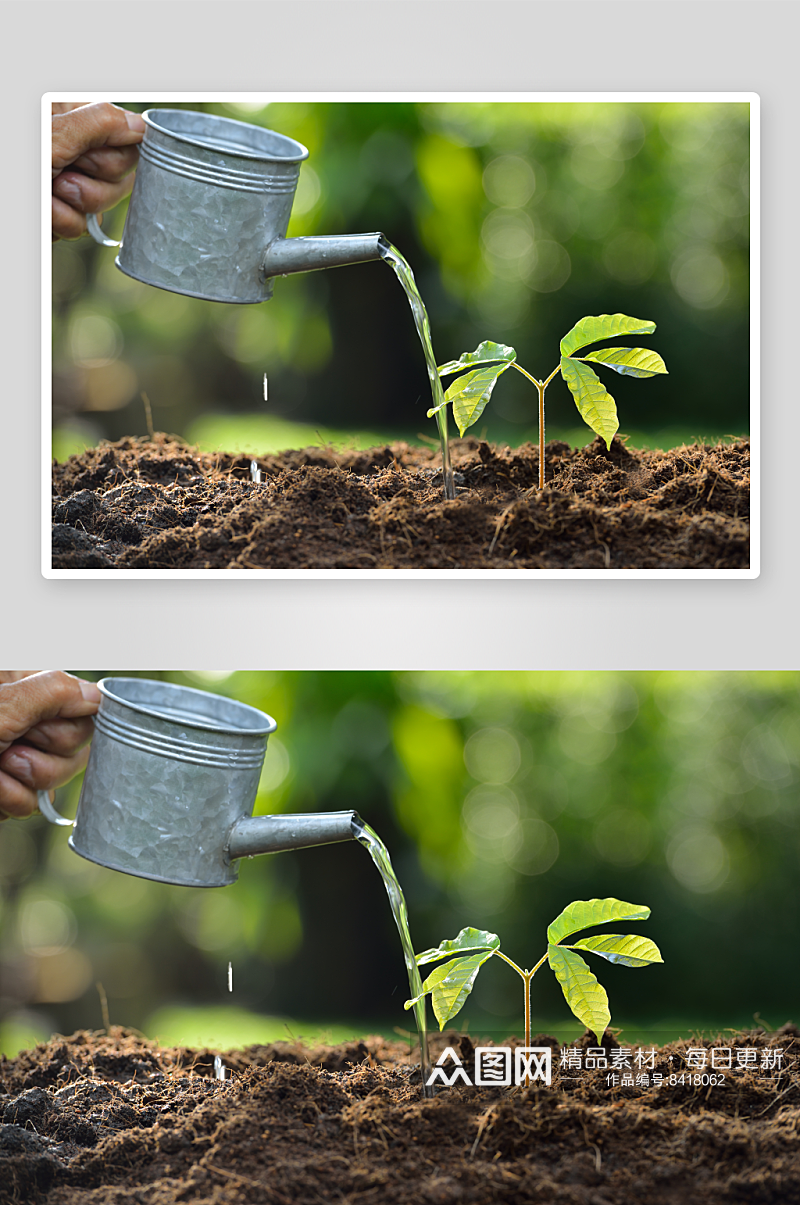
x=160 y=504
x=112 y=1119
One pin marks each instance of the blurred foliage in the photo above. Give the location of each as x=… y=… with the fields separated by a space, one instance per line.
x=229 y=1027
x=502 y=797
x=518 y=219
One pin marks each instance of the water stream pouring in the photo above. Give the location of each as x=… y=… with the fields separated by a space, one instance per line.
x=169 y=790
x=367 y=836
x=402 y=270
x=208 y=217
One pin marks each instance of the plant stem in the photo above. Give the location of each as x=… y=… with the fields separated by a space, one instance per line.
x=526 y=976
x=540 y=387
x=519 y=368
x=447 y=470
x=505 y=958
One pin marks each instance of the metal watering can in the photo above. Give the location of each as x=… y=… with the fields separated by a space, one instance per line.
x=170 y=785
x=210 y=208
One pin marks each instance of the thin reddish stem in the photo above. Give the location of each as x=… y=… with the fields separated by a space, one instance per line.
x=541 y=389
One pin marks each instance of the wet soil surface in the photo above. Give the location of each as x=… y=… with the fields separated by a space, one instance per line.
x=139 y=504
x=110 y=1118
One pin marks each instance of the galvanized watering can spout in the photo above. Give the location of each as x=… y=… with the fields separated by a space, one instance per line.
x=170 y=786
x=287 y=255
x=272 y=834
x=210 y=208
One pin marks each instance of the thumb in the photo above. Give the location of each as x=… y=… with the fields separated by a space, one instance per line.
x=91 y=126
x=49 y=695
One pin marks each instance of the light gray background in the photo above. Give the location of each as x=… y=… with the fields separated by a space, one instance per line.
x=438 y=45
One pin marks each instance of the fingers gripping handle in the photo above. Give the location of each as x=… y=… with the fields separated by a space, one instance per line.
x=49 y=812
x=95 y=229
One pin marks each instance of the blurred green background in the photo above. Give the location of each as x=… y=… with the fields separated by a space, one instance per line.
x=517 y=219
x=502 y=797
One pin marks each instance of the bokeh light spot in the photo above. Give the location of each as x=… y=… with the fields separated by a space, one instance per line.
x=46 y=926
x=538 y=848
x=698 y=859
x=551 y=269
x=492 y=755
x=700 y=278
x=95 y=340
x=509 y=180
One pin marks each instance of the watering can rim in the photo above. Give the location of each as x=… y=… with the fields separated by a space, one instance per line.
x=198 y=722
x=148 y=116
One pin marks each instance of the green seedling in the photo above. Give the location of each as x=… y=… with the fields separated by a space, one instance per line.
x=470 y=393
x=451 y=983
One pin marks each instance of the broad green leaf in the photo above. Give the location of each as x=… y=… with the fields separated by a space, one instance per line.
x=450 y=984
x=629 y=361
x=470 y=393
x=603 y=326
x=582 y=913
x=468 y=939
x=582 y=992
x=596 y=405
x=483 y=354
x=629 y=950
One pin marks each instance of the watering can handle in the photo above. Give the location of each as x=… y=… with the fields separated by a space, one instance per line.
x=49 y=812
x=95 y=229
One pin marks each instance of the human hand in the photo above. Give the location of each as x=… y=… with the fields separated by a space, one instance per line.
x=45 y=724
x=94 y=154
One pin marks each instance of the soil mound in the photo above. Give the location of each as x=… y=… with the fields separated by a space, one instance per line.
x=98 y=1118
x=142 y=504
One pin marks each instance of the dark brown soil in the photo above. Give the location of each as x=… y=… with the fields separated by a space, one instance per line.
x=99 y=1118
x=160 y=504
